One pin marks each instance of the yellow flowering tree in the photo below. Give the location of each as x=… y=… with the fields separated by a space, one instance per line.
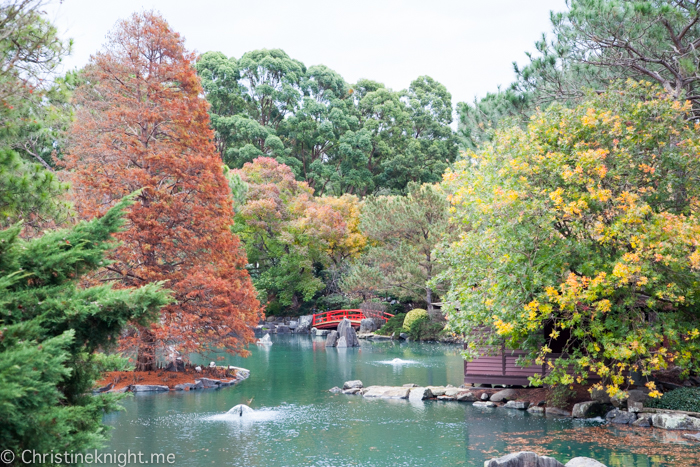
x=582 y=233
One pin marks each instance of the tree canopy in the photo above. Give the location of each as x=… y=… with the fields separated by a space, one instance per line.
x=142 y=125
x=586 y=225
x=338 y=138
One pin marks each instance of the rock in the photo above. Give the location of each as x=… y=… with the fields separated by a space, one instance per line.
x=589 y=409
x=187 y=387
x=367 y=325
x=637 y=395
x=403 y=336
x=620 y=417
x=484 y=404
x=535 y=409
x=104 y=388
x=584 y=462
x=419 y=394
x=485 y=396
x=437 y=390
x=293 y=324
x=452 y=391
x=148 y=388
x=305 y=321
x=332 y=339
x=644 y=421
x=342 y=343
x=323 y=332
x=694 y=437
x=449 y=386
x=410 y=385
x=667 y=421
x=335 y=390
x=600 y=395
x=282 y=329
x=346 y=330
x=353 y=384
x=351 y=391
x=520 y=405
x=523 y=459
x=241 y=373
x=557 y=412
x=446 y=398
x=634 y=406
x=504 y=395
x=387 y=392
x=466 y=397
x=198 y=369
x=209 y=383
x=377 y=337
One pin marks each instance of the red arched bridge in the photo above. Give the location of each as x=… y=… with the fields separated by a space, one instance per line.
x=330 y=319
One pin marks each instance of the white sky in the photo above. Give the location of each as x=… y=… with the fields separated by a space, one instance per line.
x=467 y=45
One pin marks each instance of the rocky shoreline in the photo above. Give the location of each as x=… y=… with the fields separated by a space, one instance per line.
x=628 y=411
x=235 y=376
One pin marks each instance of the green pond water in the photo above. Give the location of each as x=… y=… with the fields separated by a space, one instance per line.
x=297 y=422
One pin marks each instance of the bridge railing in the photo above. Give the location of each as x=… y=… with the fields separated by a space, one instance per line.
x=338 y=315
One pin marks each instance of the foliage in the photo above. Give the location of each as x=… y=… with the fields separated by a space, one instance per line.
x=559 y=396
x=394 y=325
x=50 y=328
x=594 y=43
x=28 y=192
x=687 y=399
x=336 y=137
x=404 y=232
x=141 y=124
x=413 y=318
x=294 y=240
x=586 y=225
x=113 y=362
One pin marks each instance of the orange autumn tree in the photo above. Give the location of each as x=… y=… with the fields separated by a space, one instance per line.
x=142 y=124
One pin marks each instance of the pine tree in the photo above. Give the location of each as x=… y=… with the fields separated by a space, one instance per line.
x=50 y=329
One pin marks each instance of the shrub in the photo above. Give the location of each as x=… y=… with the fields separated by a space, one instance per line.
x=113 y=362
x=414 y=321
x=393 y=325
x=560 y=395
x=687 y=399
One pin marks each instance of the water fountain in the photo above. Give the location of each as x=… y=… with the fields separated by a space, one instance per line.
x=240 y=410
x=265 y=340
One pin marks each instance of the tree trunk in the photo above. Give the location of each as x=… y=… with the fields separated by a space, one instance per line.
x=146 y=359
x=429 y=299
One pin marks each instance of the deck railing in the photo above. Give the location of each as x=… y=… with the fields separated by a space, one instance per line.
x=335 y=316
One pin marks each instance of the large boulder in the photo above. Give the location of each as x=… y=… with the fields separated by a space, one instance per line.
x=282 y=329
x=667 y=421
x=342 y=343
x=556 y=412
x=644 y=420
x=437 y=390
x=523 y=459
x=367 y=325
x=488 y=404
x=620 y=417
x=148 y=388
x=466 y=396
x=305 y=321
x=332 y=339
x=520 y=405
x=353 y=384
x=387 y=392
x=589 y=409
x=209 y=383
x=346 y=330
x=584 y=462
x=419 y=394
x=600 y=395
x=505 y=395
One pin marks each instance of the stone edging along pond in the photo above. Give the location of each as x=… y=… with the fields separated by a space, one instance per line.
x=636 y=415
x=240 y=374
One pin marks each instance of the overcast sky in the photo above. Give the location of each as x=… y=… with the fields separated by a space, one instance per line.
x=467 y=45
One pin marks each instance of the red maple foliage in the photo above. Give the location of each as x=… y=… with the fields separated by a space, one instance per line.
x=142 y=124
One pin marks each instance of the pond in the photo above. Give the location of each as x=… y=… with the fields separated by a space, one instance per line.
x=299 y=423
